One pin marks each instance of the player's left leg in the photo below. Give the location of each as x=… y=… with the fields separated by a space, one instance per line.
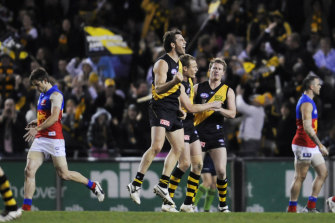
x=320 y=168
x=176 y=140
x=11 y=211
x=63 y=172
x=219 y=157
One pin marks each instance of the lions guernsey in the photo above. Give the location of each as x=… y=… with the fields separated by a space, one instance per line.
x=301 y=138
x=44 y=111
x=168 y=100
x=209 y=124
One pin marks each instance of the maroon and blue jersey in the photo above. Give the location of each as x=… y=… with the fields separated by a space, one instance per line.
x=44 y=112
x=301 y=138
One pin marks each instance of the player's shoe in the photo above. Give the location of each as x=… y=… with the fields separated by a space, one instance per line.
x=10 y=215
x=99 y=192
x=223 y=209
x=169 y=208
x=309 y=210
x=134 y=192
x=164 y=194
x=187 y=208
x=331 y=204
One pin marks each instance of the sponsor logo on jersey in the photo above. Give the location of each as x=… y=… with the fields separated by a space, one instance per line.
x=164 y=122
x=218 y=98
x=204 y=95
x=44 y=102
x=173 y=71
x=53 y=133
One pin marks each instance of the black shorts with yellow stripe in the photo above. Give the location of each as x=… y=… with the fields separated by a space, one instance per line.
x=165 y=118
x=190 y=133
x=208 y=166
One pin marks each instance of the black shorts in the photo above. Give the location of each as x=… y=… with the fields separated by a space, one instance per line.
x=190 y=134
x=212 y=143
x=208 y=165
x=165 y=118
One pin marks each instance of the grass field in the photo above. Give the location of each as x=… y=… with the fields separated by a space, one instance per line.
x=156 y=217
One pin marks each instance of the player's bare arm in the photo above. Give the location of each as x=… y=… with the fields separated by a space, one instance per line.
x=160 y=70
x=185 y=102
x=230 y=111
x=306 y=112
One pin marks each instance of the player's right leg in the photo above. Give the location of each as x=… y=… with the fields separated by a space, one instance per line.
x=63 y=172
x=301 y=169
x=194 y=176
x=34 y=161
x=157 y=142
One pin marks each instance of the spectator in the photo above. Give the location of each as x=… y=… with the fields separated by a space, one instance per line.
x=99 y=136
x=12 y=129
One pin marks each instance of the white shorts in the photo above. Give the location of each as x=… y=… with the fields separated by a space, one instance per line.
x=308 y=155
x=53 y=147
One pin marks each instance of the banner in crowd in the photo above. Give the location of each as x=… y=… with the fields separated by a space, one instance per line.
x=101 y=41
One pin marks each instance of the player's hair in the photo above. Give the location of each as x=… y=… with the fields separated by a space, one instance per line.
x=168 y=38
x=185 y=59
x=308 y=81
x=39 y=74
x=220 y=61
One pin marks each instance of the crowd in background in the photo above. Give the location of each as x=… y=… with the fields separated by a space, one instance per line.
x=269 y=46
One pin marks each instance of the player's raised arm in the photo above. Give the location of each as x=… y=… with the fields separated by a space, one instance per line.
x=160 y=70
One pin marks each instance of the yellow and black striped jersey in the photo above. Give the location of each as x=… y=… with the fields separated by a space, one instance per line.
x=170 y=99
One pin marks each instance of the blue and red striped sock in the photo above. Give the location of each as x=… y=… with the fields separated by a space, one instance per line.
x=292 y=207
x=311 y=202
x=90 y=185
x=27 y=204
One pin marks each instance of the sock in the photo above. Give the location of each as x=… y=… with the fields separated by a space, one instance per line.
x=333 y=198
x=7 y=194
x=201 y=191
x=90 y=185
x=292 y=207
x=311 y=202
x=27 y=204
x=164 y=181
x=192 y=187
x=176 y=175
x=209 y=199
x=138 y=180
x=222 y=188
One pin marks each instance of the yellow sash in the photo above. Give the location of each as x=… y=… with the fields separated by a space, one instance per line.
x=220 y=95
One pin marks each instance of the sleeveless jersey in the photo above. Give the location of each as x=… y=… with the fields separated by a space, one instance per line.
x=190 y=93
x=170 y=99
x=209 y=123
x=301 y=138
x=44 y=111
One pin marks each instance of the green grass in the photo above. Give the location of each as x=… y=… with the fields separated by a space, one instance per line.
x=156 y=217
